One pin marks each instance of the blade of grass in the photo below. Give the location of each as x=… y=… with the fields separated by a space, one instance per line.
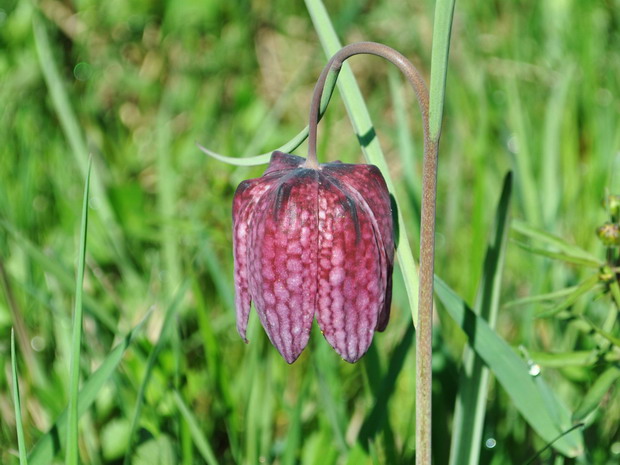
x=21 y=443
x=163 y=338
x=369 y=142
x=63 y=276
x=50 y=443
x=71 y=129
x=293 y=439
x=200 y=441
x=597 y=391
x=474 y=381
x=551 y=187
x=586 y=286
x=442 y=30
x=524 y=175
x=295 y=142
x=72 y=452
x=512 y=372
x=560 y=360
x=540 y=297
x=575 y=260
x=552 y=240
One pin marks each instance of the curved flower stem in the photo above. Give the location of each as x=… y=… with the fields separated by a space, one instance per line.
x=427 y=238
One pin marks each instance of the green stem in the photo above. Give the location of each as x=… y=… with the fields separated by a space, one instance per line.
x=427 y=240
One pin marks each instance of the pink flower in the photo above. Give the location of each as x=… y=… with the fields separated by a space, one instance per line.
x=314 y=243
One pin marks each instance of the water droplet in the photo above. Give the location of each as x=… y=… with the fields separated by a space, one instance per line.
x=37 y=343
x=512 y=144
x=490 y=443
x=82 y=71
x=534 y=369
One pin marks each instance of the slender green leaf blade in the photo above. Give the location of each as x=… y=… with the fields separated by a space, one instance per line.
x=473 y=385
x=512 y=372
x=364 y=129
x=595 y=394
x=552 y=240
x=21 y=443
x=575 y=260
x=71 y=129
x=163 y=338
x=72 y=452
x=200 y=441
x=49 y=444
x=583 y=288
x=442 y=30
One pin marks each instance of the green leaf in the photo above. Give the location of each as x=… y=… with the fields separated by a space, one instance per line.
x=163 y=338
x=540 y=297
x=474 y=380
x=200 y=441
x=565 y=359
x=576 y=260
x=290 y=146
x=73 y=133
x=72 y=452
x=369 y=141
x=52 y=266
x=556 y=242
x=512 y=372
x=50 y=443
x=597 y=391
x=21 y=443
x=442 y=30
x=159 y=451
x=583 y=288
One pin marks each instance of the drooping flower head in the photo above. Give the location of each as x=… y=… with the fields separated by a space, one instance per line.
x=314 y=243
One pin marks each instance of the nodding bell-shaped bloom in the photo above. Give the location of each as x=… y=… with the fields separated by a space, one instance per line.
x=314 y=243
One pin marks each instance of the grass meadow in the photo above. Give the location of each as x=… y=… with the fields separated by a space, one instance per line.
x=124 y=90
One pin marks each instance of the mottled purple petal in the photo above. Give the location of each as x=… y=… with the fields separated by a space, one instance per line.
x=314 y=242
x=282 y=258
x=247 y=196
x=351 y=274
x=283 y=161
x=369 y=183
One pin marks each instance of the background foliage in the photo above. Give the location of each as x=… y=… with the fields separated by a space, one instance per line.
x=532 y=87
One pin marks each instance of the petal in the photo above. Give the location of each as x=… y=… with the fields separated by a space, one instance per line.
x=369 y=183
x=352 y=275
x=282 y=258
x=283 y=161
x=247 y=195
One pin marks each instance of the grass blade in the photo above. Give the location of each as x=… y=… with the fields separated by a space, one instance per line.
x=288 y=147
x=364 y=129
x=595 y=394
x=513 y=374
x=442 y=30
x=586 y=286
x=552 y=240
x=540 y=297
x=575 y=260
x=200 y=441
x=71 y=129
x=473 y=385
x=21 y=443
x=50 y=443
x=76 y=337
x=62 y=274
x=164 y=336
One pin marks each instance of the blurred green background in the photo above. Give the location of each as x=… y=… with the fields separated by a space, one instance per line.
x=532 y=86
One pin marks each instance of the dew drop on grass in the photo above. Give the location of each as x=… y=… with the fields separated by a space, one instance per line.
x=490 y=443
x=534 y=369
x=37 y=343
